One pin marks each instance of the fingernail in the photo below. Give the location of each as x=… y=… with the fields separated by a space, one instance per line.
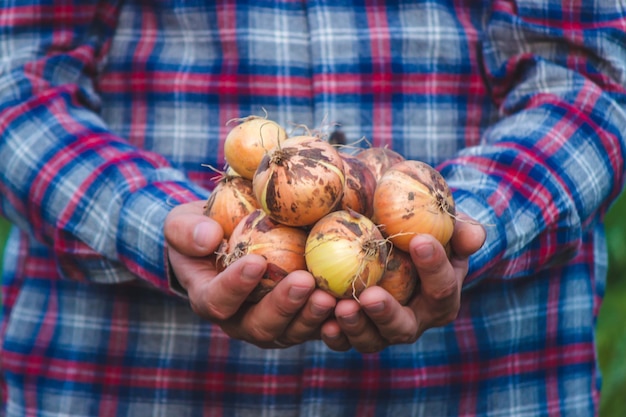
x=319 y=311
x=425 y=250
x=333 y=336
x=297 y=293
x=201 y=233
x=251 y=272
x=375 y=308
x=350 y=318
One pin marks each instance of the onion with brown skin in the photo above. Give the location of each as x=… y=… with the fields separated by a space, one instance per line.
x=400 y=278
x=282 y=246
x=247 y=143
x=346 y=253
x=231 y=200
x=379 y=160
x=300 y=181
x=413 y=198
x=358 y=192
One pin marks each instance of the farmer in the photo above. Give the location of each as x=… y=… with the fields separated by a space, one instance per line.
x=110 y=110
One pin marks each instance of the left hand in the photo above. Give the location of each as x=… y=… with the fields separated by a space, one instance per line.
x=380 y=321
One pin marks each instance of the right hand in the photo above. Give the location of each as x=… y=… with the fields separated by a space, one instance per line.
x=378 y=320
x=291 y=313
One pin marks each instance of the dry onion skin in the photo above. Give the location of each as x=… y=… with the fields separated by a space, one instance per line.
x=413 y=198
x=232 y=173
x=379 y=160
x=358 y=192
x=247 y=143
x=300 y=181
x=346 y=253
x=231 y=200
x=400 y=278
x=282 y=246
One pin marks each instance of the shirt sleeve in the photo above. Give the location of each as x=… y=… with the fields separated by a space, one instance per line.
x=547 y=171
x=66 y=179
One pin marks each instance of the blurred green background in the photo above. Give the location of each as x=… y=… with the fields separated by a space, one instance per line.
x=611 y=323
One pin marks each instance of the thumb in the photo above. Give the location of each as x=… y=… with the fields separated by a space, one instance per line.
x=190 y=232
x=468 y=237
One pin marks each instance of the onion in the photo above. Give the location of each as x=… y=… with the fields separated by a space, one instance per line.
x=358 y=192
x=282 y=246
x=400 y=278
x=346 y=253
x=247 y=142
x=231 y=200
x=379 y=160
x=300 y=181
x=413 y=198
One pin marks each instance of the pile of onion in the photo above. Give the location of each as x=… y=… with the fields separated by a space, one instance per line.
x=282 y=246
x=304 y=205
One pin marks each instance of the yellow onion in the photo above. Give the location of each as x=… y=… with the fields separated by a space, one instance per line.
x=231 y=200
x=358 y=192
x=400 y=278
x=379 y=160
x=249 y=141
x=346 y=253
x=300 y=181
x=282 y=246
x=413 y=198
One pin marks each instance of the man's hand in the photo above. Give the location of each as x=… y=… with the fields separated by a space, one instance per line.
x=291 y=313
x=379 y=320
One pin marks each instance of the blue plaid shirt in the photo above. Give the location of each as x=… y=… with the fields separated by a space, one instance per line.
x=109 y=109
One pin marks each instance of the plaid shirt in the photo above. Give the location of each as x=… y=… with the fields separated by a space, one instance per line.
x=109 y=109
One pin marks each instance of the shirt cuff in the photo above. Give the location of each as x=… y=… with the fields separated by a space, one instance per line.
x=493 y=249
x=141 y=240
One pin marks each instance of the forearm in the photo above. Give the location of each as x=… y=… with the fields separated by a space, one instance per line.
x=72 y=184
x=549 y=168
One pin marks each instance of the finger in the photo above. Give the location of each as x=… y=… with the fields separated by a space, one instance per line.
x=267 y=320
x=362 y=334
x=437 y=277
x=190 y=232
x=188 y=269
x=218 y=299
x=468 y=236
x=333 y=337
x=395 y=323
x=306 y=325
x=440 y=284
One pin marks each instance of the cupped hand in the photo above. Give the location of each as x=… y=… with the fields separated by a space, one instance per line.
x=291 y=313
x=378 y=320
